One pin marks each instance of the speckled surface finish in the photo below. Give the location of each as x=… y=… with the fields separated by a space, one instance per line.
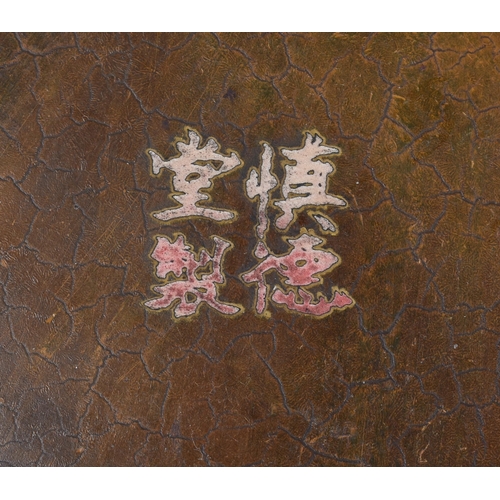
x=404 y=374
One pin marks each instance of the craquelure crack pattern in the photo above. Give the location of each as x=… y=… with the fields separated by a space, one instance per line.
x=407 y=376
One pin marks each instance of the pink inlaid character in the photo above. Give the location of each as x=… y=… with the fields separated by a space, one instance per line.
x=306 y=179
x=301 y=267
x=194 y=169
x=199 y=285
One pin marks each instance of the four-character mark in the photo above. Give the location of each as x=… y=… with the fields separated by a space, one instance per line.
x=191 y=279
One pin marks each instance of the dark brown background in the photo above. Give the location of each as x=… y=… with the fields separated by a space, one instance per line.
x=407 y=377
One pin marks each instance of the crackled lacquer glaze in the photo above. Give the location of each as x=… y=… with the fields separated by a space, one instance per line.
x=94 y=207
x=304 y=185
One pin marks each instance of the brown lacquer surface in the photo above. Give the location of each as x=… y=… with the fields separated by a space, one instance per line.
x=407 y=375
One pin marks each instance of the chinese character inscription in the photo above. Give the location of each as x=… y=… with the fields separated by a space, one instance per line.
x=191 y=279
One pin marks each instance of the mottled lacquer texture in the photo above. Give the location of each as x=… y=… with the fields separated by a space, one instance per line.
x=249 y=249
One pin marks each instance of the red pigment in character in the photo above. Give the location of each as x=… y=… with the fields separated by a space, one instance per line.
x=200 y=283
x=300 y=267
